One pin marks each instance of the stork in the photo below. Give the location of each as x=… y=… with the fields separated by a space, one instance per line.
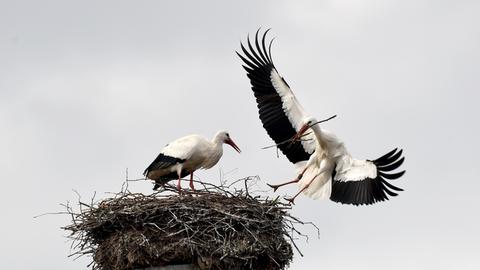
x=185 y=155
x=325 y=167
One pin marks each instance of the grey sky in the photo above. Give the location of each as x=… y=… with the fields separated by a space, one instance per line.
x=88 y=88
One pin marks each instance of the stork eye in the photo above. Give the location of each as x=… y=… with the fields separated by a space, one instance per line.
x=227 y=135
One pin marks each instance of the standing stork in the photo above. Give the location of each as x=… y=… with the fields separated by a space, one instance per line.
x=325 y=168
x=185 y=155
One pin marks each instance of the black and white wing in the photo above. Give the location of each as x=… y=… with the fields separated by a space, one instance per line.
x=176 y=152
x=363 y=182
x=278 y=108
x=162 y=161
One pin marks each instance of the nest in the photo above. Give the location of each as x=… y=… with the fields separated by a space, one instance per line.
x=212 y=228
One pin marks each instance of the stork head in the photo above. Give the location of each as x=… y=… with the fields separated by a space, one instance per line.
x=306 y=124
x=309 y=122
x=224 y=137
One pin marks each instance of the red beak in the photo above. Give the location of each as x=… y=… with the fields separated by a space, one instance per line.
x=230 y=142
x=300 y=132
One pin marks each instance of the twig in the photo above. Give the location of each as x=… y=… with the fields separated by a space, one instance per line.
x=287 y=141
x=295 y=138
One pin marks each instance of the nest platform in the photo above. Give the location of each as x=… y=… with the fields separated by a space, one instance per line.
x=212 y=228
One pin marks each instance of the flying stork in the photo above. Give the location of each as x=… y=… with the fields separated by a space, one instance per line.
x=185 y=155
x=324 y=166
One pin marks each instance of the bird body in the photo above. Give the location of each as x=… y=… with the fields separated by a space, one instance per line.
x=185 y=155
x=325 y=168
x=319 y=165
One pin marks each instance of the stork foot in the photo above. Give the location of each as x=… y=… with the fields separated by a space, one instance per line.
x=291 y=200
x=275 y=187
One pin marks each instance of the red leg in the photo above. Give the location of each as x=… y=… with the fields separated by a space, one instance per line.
x=179 y=186
x=191 y=182
x=275 y=187
x=291 y=200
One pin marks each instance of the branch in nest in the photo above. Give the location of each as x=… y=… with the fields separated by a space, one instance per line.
x=228 y=228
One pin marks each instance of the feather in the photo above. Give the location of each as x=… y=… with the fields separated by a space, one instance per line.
x=392 y=166
x=386 y=156
x=392 y=176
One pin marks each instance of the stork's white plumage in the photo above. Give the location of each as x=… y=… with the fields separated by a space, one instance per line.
x=326 y=169
x=186 y=155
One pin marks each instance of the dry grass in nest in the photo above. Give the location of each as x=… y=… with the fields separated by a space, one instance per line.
x=213 y=228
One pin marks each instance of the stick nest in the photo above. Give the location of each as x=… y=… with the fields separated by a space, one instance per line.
x=212 y=228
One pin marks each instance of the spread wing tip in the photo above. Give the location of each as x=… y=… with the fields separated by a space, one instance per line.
x=258 y=53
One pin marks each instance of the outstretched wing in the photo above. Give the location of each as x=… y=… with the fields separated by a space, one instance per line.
x=361 y=182
x=278 y=108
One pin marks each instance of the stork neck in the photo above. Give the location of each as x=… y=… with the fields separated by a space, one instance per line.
x=217 y=150
x=217 y=140
x=319 y=136
x=330 y=144
x=318 y=132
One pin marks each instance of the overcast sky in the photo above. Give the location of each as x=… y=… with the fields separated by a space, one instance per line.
x=89 y=88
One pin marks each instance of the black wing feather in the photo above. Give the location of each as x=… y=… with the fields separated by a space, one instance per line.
x=259 y=66
x=386 y=156
x=162 y=162
x=393 y=166
x=370 y=191
x=392 y=176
